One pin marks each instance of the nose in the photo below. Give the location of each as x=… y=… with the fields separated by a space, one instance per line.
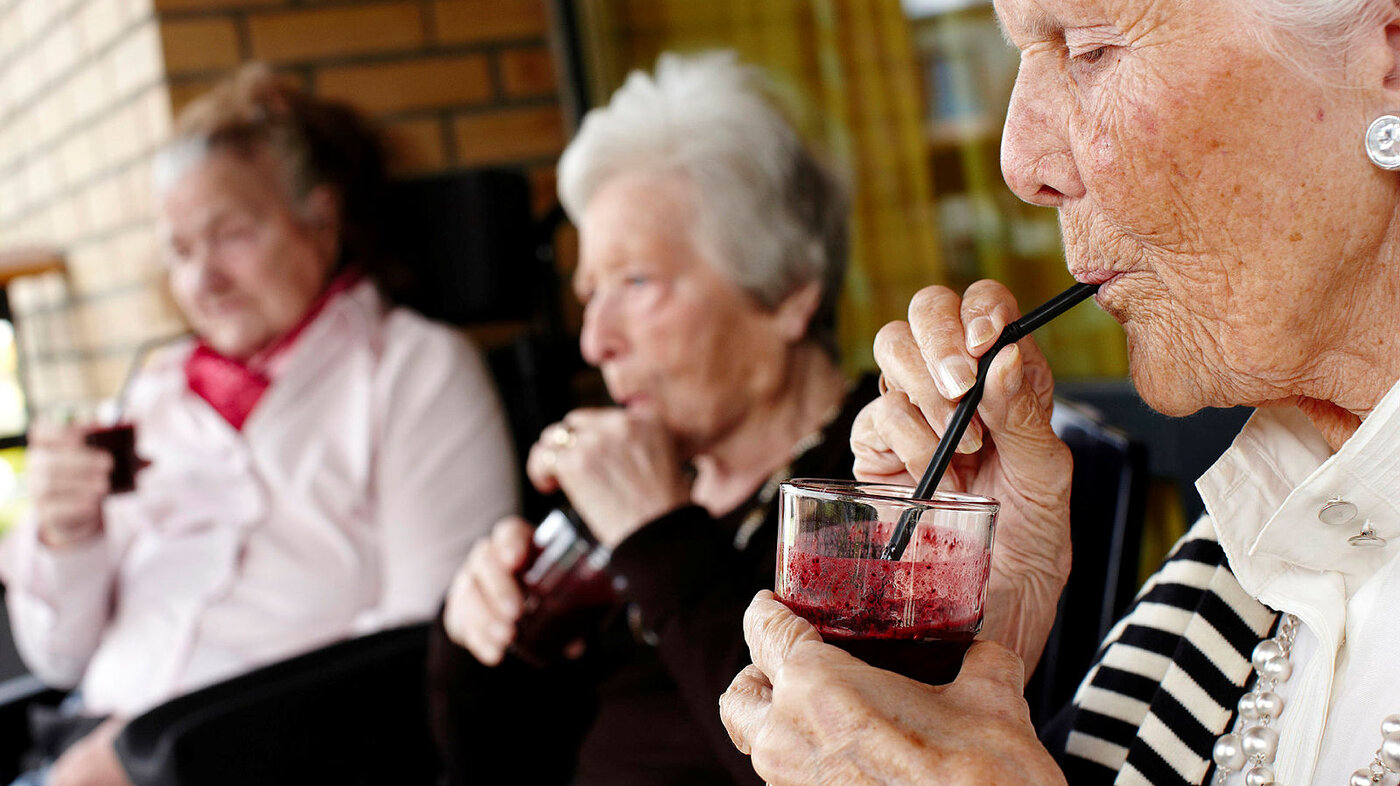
x=209 y=274
x=1036 y=158
x=601 y=338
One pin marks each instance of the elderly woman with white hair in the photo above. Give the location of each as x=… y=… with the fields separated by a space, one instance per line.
x=1226 y=172
x=712 y=246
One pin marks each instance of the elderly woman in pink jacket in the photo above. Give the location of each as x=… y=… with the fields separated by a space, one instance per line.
x=321 y=461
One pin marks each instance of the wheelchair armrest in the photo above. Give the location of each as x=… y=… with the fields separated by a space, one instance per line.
x=17 y=696
x=354 y=712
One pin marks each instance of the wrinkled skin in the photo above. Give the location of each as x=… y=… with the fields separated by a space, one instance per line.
x=824 y=717
x=1247 y=246
x=1227 y=196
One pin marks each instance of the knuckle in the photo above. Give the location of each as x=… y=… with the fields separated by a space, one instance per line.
x=802 y=676
x=478 y=560
x=770 y=754
x=989 y=289
x=781 y=630
x=930 y=298
x=890 y=335
x=999 y=664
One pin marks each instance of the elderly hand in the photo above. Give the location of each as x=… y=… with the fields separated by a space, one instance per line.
x=1009 y=451
x=485 y=599
x=619 y=469
x=92 y=761
x=809 y=713
x=67 y=480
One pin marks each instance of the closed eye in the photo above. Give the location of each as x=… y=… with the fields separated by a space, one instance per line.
x=1091 y=56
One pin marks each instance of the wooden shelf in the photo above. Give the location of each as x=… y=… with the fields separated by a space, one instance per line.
x=30 y=262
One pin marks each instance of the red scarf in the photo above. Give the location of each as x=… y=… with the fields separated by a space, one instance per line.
x=233 y=387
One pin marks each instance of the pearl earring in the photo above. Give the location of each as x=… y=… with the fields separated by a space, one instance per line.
x=1383 y=142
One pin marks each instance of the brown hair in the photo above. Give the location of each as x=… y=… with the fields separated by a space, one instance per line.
x=317 y=143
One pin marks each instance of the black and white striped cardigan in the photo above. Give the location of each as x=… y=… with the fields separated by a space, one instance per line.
x=1167 y=679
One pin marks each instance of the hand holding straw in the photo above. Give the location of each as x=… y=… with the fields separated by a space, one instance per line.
x=962 y=416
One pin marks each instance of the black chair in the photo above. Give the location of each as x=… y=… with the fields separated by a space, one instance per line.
x=351 y=713
x=1107 y=502
x=18 y=696
x=447 y=226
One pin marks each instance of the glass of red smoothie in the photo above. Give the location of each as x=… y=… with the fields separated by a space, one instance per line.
x=102 y=427
x=118 y=439
x=568 y=589
x=916 y=615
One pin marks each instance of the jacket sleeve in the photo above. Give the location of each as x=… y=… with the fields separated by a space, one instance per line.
x=445 y=470
x=512 y=723
x=59 y=601
x=692 y=588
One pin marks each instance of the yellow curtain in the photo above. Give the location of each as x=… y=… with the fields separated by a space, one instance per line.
x=853 y=64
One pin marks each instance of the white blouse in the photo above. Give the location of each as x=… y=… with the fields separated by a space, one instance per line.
x=1264 y=495
x=344 y=505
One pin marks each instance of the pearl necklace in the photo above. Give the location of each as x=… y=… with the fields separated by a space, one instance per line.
x=1254 y=740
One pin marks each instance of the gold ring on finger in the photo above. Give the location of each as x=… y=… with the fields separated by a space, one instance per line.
x=561 y=437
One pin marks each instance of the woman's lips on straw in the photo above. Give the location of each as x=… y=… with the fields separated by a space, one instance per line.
x=1100 y=277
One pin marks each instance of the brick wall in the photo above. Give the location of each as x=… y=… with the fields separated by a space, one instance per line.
x=88 y=89
x=82 y=105
x=456 y=83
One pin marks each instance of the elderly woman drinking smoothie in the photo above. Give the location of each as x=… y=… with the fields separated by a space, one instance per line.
x=712 y=247
x=1225 y=172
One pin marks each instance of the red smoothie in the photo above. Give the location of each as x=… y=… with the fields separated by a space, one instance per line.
x=568 y=590
x=916 y=616
x=120 y=441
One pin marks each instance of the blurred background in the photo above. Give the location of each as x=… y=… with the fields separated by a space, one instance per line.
x=908 y=96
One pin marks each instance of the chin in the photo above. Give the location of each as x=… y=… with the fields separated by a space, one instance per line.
x=233 y=345
x=1163 y=383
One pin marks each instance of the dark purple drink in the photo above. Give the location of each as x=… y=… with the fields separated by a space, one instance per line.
x=568 y=590
x=935 y=661
x=915 y=616
x=120 y=442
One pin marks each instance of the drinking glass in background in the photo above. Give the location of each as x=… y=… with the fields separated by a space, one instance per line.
x=568 y=589
x=103 y=428
x=917 y=615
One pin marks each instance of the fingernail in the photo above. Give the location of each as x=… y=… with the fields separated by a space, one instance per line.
x=971 y=441
x=955 y=376
x=1012 y=358
x=980 y=332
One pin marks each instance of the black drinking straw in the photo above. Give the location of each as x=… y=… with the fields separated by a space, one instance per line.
x=962 y=416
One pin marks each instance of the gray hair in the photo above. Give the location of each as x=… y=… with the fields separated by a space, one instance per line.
x=1326 y=29
x=316 y=142
x=771 y=215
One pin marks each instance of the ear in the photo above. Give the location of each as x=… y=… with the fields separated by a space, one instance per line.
x=1392 y=56
x=794 y=313
x=321 y=211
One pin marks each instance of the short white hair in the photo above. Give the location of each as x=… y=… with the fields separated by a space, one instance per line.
x=1319 y=31
x=772 y=216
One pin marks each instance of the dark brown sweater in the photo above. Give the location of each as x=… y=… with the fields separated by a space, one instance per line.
x=641 y=706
